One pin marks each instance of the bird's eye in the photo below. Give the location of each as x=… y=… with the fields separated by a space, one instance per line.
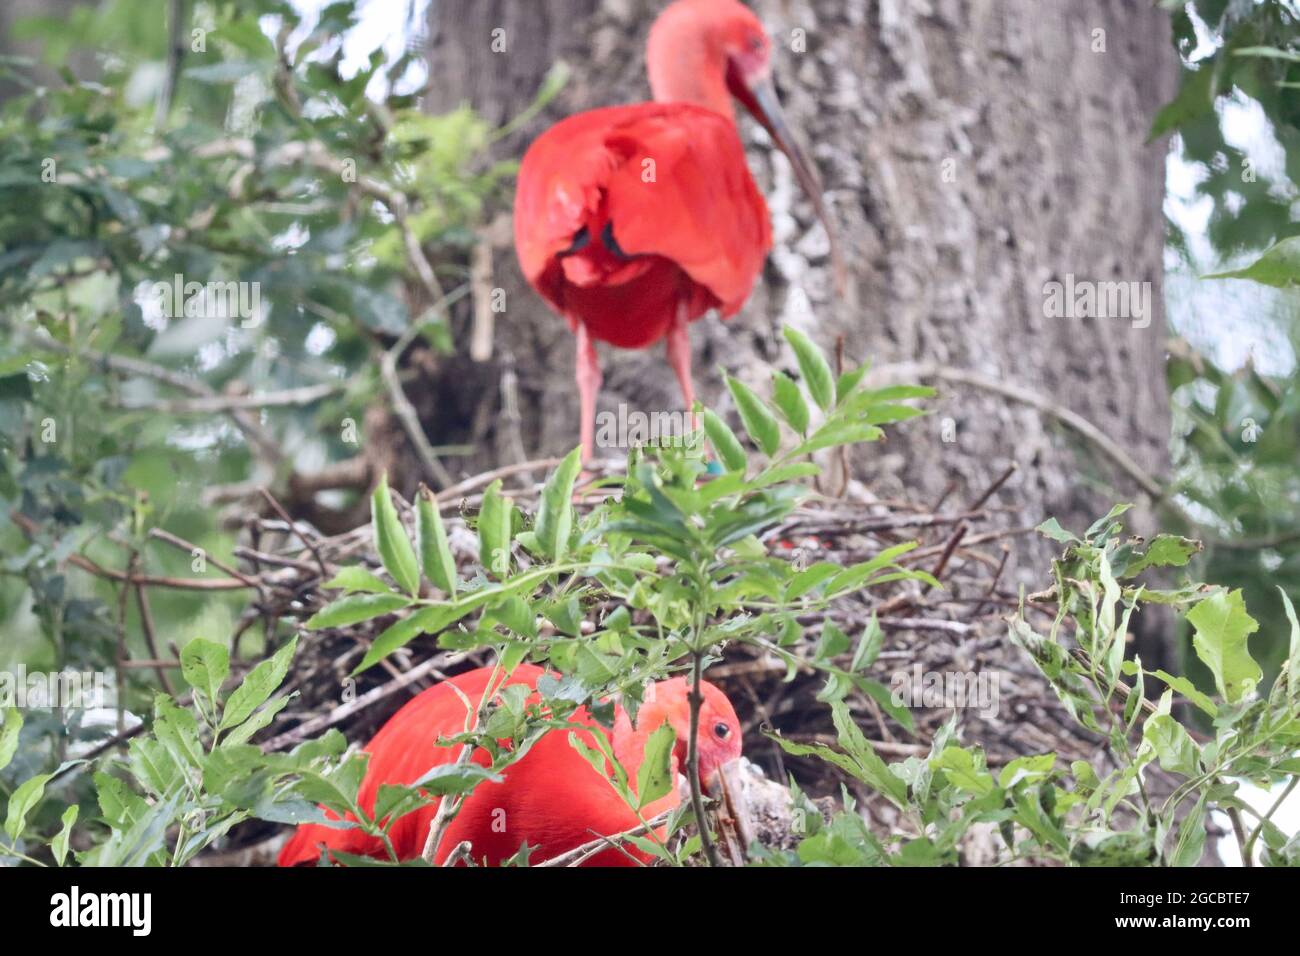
x=756 y=43
x=721 y=730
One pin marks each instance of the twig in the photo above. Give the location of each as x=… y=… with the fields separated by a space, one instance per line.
x=449 y=806
x=1248 y=853
x=510 y=418
x=580 y=854
x=992 y=489
x=479 y=481
x=461 y=851
x=175 y=54
x=151 y=640
x=866 y=525
x=190 y=547
x=405 y=411
x=843 y=453
x=30 y=528
x=211 y=404
x=266 y=446
x=993 y=584
x=693 y=755
x=293 y=526
x=1240 y=832
x=924 y=624
x=433 y=665
x=946 y=556
x=480 y=278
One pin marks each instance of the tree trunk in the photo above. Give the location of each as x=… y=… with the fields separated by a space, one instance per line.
x=973 y=151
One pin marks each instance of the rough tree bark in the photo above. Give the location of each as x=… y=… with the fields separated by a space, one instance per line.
x=973 y=150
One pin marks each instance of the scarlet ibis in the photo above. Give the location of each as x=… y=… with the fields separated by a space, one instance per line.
x=633 y=221
x=551 y=798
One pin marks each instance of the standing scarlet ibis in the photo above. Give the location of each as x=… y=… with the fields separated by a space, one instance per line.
x=552 y=798
x=633 y=221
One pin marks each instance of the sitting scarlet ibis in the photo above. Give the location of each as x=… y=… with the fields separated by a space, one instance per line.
x=551 y=798
x=633 y=221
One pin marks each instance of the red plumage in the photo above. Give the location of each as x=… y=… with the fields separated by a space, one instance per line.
x=551 y=798
x=634 y=221
x=670 y=182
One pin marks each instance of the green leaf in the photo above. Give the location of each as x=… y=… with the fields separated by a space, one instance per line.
x=9 y=731
x=427 y=620
x=758 y=419
x=724 y=442
x=1165 y=551
x=516 y=614
x=848 y=382
x=890 y=413
x=1032 y=769
x=27 y=795
x=869 y=645
x=555 y=517
x=809 y=578
x=356 y=608
x=1279 y=266
x=120 y=805
x=1191 y=836
x=789 y=401
x=813 y=367
x=435 y=553
x=146 y=836
x=177 y=730
x=336 y=789
x=262 y=718
x=655 y=778
x=1051 y=528
x=1173 y=745
x=391 y=541
x=964 y=772
x=893 y=393
x=835 y=433
x=153 y=765
x=884 y=698
x=832 y=643
x=1170 y=741
x=59 y=845
x=1292 y=663
x=1195 y=98
x=1222 y=630
x=872 y=770
x=260 y=683
x=602 y=759
x=356 y=578
x=494 y=531
x=1105 y=526
x=1269 y=53
x=1189 y=690
x=453 y=778
x=854 y=575
x=439 y=616
x=205 y=665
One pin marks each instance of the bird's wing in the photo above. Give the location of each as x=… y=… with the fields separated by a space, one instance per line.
x=404 y=750
x=683 y=191
x=559 y=186
x=552 y=799
x=673 y=181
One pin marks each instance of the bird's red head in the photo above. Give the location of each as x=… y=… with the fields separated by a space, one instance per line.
x=668 y=701
x=708 y=52
x=705 y=52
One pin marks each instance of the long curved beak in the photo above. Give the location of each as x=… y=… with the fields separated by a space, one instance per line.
x=763 y=103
